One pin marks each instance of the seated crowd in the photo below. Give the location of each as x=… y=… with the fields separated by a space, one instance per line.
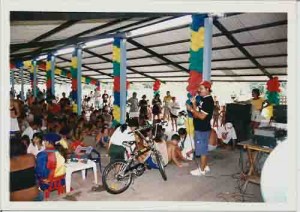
x=46 y=133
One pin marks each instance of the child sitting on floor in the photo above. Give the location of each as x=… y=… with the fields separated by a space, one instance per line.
x=103 y=137
x=174 y=152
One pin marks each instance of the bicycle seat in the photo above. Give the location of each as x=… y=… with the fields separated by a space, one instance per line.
x=128 y=143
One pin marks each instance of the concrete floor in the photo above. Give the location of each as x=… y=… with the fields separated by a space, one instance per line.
x=217 y=186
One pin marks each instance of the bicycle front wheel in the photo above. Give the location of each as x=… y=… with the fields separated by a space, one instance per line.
x=160 y=164
x=114 y=178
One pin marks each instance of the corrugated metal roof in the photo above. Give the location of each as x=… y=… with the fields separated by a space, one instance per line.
x=263 y=35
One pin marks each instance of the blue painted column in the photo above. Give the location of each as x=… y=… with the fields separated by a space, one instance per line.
x=53 y=74
x=22 y=84
x=34 y=78
x=12 y=81
x=123 y=81
x=208 y=26
x=79 y=87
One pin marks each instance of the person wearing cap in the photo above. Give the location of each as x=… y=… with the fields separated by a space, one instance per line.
x=50 y=163
x=202 y=115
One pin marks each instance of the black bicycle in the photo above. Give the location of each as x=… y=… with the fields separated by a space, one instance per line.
x=118 y=175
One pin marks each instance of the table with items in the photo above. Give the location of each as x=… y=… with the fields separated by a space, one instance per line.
x=79 y=165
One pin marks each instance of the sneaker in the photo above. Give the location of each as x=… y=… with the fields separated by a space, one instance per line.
x=207 y=169
x=197 y=172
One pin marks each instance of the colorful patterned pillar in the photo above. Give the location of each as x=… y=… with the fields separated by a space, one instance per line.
x=49 y=78
x=116 y=87
x=76 y=83
x=196 y=63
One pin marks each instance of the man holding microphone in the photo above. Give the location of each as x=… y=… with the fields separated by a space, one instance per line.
x=202 y=115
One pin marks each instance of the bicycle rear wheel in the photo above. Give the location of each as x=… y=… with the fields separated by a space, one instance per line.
x=160 y=165
x=113 y=181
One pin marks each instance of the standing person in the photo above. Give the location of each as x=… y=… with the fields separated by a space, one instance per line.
x=14 y=114
x=202 y=115
x=134 y=107
x=257 y=103
x=216 y=114
x=167 y=101
x=174 y=108
x=64 y=102
x=97 y=99
x=156 y=109
x=143 y=109
x=105 y=98
x=106 y=116
x=23 y=185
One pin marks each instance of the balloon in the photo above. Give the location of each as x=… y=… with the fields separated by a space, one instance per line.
x=197 y=39
x=74 y=84
x=42 y=66
x=117 y=83
x=19 y=64
x=117 y=98
x=116 y=69
x=48 y=65
x=48 y=83
x=197 y=21
x=156 y=85
x=116 y=54
x=117 y=42
x=74 y=62
x=116 y=112
x=189 y=126
x=273 y=85
x=115 y=123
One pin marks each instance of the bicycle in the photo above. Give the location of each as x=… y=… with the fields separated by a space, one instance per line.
x=123 y=171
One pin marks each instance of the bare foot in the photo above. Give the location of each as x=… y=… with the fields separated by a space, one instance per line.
x=180 y=165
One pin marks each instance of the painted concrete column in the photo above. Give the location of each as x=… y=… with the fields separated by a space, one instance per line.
x=34 y=63
x=22 y=84
x=123 y=68
x=79 y=87
x=53 y=75
x=208 y=26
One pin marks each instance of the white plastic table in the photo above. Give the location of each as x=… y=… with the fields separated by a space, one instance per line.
x=79 y=166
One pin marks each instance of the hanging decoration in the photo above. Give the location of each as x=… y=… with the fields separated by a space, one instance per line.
x=48 y=76
x=98 y=85
x=196 y=63
x=156 y=86
x=31 y=75
x=116 y=74
x=273 y=90
x=73 y=74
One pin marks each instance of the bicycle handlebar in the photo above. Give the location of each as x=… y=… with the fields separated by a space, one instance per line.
x=148 y=127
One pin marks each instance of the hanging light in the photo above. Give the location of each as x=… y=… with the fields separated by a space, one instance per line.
x=64 y=51
x=41 y=57
x=187 y=19
x=97 y=42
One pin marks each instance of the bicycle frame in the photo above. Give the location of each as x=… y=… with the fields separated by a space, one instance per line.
x=135 y=154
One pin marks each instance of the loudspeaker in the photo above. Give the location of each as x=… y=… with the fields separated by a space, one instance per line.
x=280 y=113
x=240 y=116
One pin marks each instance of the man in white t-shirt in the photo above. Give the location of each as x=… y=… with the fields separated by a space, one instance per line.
x=116 y=149
x=174 y=109
x=226 y=133
x=32 y=128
